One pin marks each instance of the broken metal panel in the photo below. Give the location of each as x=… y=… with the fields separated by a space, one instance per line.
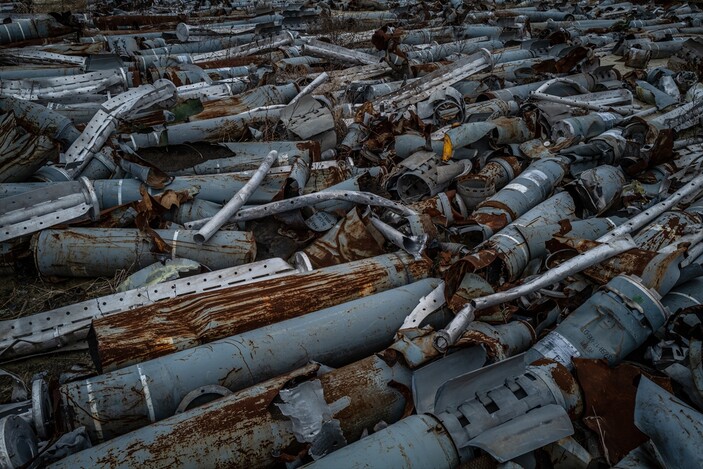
x=427 y=379
x=105 y=120
x=121 y=340
x=515 y=438
x=95 y=252
x=342 y=334
x=35 y=89
x=351 y=239
x=612 y=415
x=22 y=151
x=34 y=211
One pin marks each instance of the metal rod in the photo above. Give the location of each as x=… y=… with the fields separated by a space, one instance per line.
x=653 y=212
x=237 y=202
x=453 y=331
x=273 y=208
x=322 y=78
x=626 y=111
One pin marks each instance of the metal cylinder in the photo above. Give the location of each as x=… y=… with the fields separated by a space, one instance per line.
x=585 y=127
x=613 y=322
x=18 y=443
x=247 y=156
x=422 y=175
x=118 y=402
x=101 y=252
x=258 y=432
x=514 y=249
x=416 y=442
x=216 y=188
x=525 y=191
x=497 y=172
x=127 y=338
x=684 y=296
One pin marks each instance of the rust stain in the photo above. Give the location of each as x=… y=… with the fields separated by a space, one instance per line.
x=353 y=238
x=566 y=383
x=611 y=414
x=168 y=326
x=135 y=21
x=495 y=350
x=232 y=62
x=313 y=149
x=373 y=398
x=245 y=413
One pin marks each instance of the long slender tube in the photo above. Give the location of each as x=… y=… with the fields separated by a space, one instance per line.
x=643 y=218
x=280 y=206
x=453 y=331
x=236 y=202
x=321 y=79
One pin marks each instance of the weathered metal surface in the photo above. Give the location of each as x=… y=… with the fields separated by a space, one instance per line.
x=122 y=339
x=419 y=441
x=423 y=135
x=37 y=210
x=351 y=239
x=612 y=414
x=236 y=202
x=94 y=252
x=62 y=326
x=627 y=313
x=451 y=333
x=343 y=334
x=105 y=120
x=674 y=426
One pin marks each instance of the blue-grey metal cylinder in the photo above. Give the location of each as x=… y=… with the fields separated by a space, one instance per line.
x=118 y=402
x=101 y=252
x=416 y=442
x=612 y=323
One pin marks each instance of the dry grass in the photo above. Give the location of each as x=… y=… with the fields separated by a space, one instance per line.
x=25 y=296
x=48 y=6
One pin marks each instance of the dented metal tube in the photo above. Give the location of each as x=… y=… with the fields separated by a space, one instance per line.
x=96 y=252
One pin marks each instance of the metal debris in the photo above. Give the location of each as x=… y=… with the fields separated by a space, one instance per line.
x=351 y=234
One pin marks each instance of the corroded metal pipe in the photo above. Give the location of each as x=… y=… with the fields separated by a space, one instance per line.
x=451 y=333
x=129 y=337
x=100 y=252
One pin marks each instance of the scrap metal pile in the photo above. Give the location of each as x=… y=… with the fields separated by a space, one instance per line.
x=393 y=234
